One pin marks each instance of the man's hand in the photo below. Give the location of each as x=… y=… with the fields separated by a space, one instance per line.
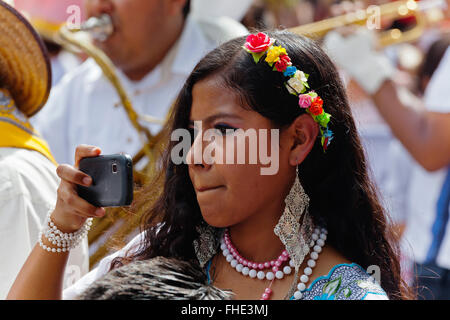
x=355 y=53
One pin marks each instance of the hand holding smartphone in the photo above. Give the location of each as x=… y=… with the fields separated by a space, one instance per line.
x=112 y=180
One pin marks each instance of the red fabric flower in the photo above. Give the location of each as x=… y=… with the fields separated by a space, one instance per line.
x=258 y=42
x=283 y=63
x=316 y=106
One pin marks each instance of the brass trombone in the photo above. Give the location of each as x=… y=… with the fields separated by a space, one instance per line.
x=424 y=11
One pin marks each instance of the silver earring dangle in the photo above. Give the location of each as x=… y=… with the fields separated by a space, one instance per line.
x=295 y=226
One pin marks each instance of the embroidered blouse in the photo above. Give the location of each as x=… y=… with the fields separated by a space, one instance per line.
x=343 y=282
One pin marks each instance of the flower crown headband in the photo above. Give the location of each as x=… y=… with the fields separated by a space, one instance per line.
x=278 y=59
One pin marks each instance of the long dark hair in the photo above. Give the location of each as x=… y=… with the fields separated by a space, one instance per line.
x=337 y=182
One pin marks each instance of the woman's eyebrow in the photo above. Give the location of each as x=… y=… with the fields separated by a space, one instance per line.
x=217 y=116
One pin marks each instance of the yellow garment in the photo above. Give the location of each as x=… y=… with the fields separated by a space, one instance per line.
x=16 y=131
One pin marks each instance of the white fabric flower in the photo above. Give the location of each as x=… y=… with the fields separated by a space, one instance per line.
x=296 y=82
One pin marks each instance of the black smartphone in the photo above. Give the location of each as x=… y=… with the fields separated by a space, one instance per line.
x=112 y=180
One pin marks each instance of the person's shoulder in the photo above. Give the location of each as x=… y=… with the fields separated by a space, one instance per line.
x=20 y=159
x=26 y=171
x=8 y=174
x=16 y=160
x=345 y=281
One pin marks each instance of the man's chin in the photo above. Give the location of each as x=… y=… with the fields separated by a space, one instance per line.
x=109 y=49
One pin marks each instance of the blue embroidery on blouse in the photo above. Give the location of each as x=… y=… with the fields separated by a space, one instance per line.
x=343 y=282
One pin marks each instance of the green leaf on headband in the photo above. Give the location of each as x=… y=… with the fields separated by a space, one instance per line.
x=323 y=119
x=257 y=56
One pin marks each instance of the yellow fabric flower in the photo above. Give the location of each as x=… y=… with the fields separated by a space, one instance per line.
x=274 y=53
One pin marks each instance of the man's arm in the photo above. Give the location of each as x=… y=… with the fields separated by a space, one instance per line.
x=425 y=134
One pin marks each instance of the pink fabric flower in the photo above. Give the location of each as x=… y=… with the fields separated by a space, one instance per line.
x=304 y=100
x=257 y=43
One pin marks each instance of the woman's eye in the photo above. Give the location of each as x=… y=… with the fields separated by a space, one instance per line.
x=224 y=129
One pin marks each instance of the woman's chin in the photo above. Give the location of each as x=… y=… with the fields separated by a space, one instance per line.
x=215 y=218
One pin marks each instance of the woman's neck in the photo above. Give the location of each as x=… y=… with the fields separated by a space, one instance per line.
x=255 y=239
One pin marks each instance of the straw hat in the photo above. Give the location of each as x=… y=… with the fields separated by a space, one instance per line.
x=24 y=64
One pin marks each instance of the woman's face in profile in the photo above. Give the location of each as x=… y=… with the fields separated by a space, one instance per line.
x=229 y=190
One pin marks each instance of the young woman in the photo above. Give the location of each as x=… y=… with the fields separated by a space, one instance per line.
x=309 y=231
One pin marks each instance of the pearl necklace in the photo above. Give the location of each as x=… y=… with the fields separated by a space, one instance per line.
x=255 y=269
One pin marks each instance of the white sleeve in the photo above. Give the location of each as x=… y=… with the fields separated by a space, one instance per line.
x=52 y=122
x=103 y=267
x=437 y=94
x=16 y=236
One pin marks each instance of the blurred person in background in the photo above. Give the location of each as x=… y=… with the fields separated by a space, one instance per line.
x=400 y=186
x=259 y=17
x=269 y=14
x=425 y=133
x=28 y=180
x=154 y=46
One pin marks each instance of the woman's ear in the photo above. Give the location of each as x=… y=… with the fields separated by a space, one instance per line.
x=302 y=133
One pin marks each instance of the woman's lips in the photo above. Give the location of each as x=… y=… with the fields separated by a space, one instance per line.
x=203 y=189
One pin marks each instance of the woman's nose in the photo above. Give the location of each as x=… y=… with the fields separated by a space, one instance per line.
x=195 y=157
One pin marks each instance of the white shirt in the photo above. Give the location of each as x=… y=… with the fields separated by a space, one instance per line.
x=28 y=184
x=426 y=188
x=61 y=64
x=81 y=109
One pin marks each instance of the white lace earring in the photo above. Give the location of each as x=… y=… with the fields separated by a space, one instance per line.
x=207 y=244
x=295 y=226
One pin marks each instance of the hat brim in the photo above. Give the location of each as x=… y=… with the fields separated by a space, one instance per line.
x=24 y=62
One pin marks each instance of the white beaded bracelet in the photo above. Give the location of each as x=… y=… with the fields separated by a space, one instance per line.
x=63 y=241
